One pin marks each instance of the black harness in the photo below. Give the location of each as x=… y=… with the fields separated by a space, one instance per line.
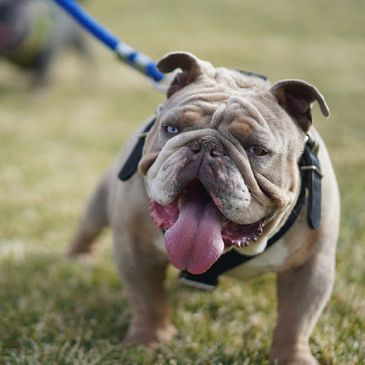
x=130 y=166
x=310 y=192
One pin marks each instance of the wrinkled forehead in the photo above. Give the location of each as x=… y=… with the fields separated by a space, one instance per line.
x=211 y=107
x=241 y=115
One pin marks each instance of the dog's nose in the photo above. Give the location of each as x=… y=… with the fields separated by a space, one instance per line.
x=207 y=145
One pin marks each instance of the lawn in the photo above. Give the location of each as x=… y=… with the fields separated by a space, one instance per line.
x=55 y=144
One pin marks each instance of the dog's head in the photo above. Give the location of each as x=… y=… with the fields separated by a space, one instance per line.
x=221 y=161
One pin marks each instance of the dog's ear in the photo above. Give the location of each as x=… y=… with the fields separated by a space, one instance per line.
x=296 y=97
x=190 y=65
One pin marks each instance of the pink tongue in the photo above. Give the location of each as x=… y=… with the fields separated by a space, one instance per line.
x=195 y=242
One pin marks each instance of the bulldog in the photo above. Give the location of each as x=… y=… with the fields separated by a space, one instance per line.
x=223 y=166
x=33 y=32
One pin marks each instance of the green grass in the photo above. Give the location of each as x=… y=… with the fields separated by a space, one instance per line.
x=53 y=147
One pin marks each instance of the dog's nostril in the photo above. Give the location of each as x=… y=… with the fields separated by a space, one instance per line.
x=207 y=146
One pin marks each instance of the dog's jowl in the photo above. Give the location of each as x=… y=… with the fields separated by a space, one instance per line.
x=231 y=167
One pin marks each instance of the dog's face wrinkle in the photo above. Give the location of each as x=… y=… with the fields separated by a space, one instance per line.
x=230 y=118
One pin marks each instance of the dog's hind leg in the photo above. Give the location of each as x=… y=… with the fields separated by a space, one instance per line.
x=93 y=220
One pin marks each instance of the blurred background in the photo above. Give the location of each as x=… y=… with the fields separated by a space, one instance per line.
x=62 y=125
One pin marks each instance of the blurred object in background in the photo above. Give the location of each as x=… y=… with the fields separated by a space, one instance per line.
x=32 y=32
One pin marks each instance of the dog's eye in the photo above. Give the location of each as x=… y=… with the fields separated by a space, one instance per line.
x=257 y=151
x=169 y=129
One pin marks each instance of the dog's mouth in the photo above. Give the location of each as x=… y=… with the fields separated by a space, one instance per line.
x=197 y=233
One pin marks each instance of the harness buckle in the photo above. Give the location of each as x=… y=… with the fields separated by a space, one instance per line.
x=314 y=168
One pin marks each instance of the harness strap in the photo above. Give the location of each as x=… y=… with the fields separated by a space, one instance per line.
x=313 y=175
x=252 y=74
x=130 y=166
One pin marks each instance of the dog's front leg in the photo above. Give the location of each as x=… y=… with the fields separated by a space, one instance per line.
x=302 y=295
x=143 y=272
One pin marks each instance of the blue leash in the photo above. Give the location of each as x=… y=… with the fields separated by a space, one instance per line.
x=127 y=54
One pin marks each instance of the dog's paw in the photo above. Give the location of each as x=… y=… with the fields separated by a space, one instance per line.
x=150 y=337
x=72 y=253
